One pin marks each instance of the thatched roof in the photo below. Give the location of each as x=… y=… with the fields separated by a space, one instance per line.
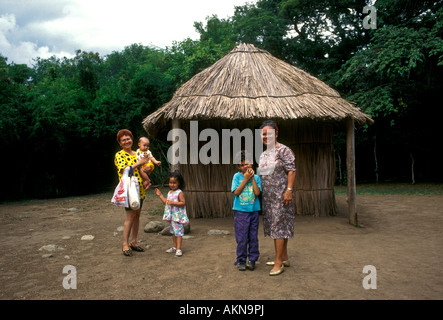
x=249 y=83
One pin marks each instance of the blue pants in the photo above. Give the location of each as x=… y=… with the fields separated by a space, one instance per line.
x=246 y=235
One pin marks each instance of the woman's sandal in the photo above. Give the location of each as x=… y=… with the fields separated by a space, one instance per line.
x=127 y=253
x=136 y=248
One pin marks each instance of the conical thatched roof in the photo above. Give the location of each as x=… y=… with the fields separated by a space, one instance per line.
x=249 y=83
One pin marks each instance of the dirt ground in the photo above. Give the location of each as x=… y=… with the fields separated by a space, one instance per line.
x=401 y=237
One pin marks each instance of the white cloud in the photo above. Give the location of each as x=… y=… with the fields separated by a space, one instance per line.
x=7 y=23
x=22 y=51
x=59 y=28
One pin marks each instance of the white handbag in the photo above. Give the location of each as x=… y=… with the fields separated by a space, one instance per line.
x=133 y=191
x=120 y=196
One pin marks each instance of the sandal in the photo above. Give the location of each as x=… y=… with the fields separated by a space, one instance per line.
x=136 y=248
x=127 y=253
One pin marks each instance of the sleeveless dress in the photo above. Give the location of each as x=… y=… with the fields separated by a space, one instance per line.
x=173 y=213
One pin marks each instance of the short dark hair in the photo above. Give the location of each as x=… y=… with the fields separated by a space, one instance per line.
x=269 y=123
x=242 y=155
x=124 y=132
x=177 y=175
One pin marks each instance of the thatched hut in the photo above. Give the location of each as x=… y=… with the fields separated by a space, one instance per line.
x=245 y=87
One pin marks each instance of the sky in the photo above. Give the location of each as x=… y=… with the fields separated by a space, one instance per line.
x=43 y=28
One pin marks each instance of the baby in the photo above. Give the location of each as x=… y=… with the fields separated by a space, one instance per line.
x=147 y=168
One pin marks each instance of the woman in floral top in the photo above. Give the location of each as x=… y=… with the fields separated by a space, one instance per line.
x=277 y=172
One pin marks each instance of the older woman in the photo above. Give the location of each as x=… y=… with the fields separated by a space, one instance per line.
x=277 y=171
x=125 y=158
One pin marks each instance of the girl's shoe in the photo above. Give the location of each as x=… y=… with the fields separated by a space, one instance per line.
x=178 y=253
x=171 y=250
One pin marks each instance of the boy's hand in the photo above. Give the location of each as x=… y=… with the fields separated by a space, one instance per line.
x=249 y=173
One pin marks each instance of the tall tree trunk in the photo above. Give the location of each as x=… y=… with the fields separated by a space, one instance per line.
x=412 y=169
x=340 y=176
x=375 y=157
x=350 y=164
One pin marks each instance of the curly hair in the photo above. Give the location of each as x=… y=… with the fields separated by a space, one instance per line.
x=124 y=132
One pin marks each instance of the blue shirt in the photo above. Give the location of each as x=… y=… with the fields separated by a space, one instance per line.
x=246 y=201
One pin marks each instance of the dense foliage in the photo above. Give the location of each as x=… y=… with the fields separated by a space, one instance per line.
x=58 y=118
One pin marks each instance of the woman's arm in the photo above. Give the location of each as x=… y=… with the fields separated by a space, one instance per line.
x=136 y=164
x=287 y=196
x=140 y=162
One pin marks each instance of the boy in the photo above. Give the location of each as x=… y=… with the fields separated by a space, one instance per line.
x=146 y=169
x=246 y=187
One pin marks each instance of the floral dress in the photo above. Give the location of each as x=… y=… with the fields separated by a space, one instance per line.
x=173 y=213
x=278 y=219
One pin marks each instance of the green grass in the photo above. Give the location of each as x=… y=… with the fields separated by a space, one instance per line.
x=396 y=188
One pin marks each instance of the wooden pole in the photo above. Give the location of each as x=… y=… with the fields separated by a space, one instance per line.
x=350 y=163
x=174 y=167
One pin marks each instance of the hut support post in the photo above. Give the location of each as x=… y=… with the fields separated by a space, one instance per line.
x=350 y=163
x=174 y=167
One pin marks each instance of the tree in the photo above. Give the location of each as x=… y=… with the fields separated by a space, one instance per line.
x=323 y=34
x=396 y=79
x=262 y=25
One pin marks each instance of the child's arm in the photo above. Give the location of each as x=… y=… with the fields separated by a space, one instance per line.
x=241 y=186
x=255 y=186
x=162 y=198
x=155 y=161
x=181 y=201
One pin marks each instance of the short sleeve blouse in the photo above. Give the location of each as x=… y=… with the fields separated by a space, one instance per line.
x=122 y=160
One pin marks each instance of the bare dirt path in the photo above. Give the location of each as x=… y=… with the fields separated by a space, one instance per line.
x=401 y=238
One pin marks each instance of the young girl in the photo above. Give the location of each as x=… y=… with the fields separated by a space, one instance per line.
x=175 y=210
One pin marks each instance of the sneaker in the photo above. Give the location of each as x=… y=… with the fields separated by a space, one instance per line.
x=241 y=266
x=250 y=265
x=171 y=250
x=179 y=253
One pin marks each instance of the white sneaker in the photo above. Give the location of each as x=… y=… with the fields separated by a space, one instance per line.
x=179 y=253
x=171 y=250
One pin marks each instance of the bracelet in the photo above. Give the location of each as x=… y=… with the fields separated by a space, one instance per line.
x=290 y=189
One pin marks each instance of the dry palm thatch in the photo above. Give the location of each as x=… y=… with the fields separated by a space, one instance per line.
x=249 y=83
x=241 y=89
